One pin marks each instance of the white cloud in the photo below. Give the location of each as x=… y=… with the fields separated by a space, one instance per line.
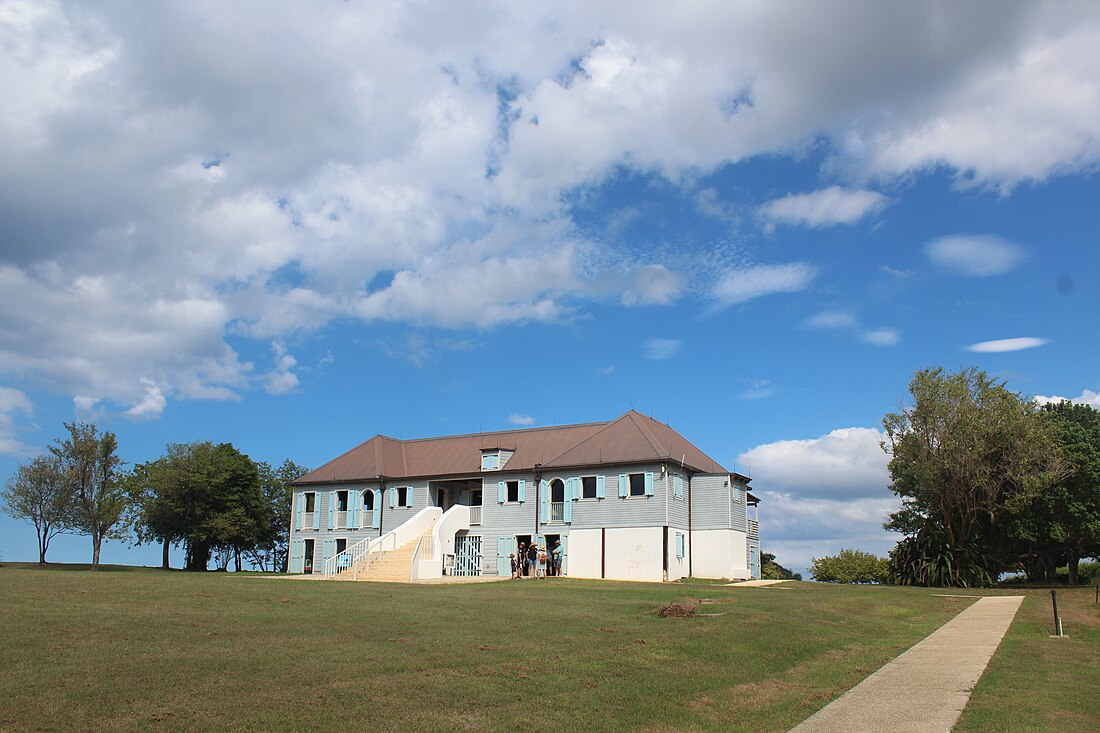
x=829 y=206
x=12 y=401
x=517 y=419
x=281 y=380
x=652 y=285
x=259 y=192
x=606 y=371
x=895 y=271
x=740 y=285
x=977 y=256
x=660 y=349
x=151 y=405
x=1087 y=397
x=831 y=319
x=882 y=337
x=846 y=463
x=1002 y=345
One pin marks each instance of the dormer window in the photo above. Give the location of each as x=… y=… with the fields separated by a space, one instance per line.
x=490 y=460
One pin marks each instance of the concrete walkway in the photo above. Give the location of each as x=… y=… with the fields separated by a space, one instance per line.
x=926 y=688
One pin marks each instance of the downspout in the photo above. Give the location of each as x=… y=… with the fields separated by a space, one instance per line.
x=538 y=495
x=691 y=552
x=381 y=503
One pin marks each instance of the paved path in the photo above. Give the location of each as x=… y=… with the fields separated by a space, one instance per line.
x=926 y=688
x=757 y=583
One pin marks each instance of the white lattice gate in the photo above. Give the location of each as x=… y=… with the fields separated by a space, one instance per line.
x=467 y=555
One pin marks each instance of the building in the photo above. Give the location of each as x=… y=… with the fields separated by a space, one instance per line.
x=629 y=499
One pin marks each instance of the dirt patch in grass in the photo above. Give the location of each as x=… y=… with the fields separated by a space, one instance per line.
x=677 y=610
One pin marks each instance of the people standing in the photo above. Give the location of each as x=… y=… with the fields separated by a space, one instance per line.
x=522 y=559
x=515 y=566
x=555 y=554
x=532 y=558
x=541 y=571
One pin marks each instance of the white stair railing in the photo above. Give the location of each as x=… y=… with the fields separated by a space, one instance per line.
x=357 y=559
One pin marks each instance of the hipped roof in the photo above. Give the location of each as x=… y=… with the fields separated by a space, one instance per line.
x=632 y=438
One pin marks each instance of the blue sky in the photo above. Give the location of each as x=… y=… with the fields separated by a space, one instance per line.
x=293 y=227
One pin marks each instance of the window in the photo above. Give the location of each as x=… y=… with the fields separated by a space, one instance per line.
x=588 y=487
x=513 y=491
x=341 y=501
x=404 y=496
x=637 y=484
x=311 y=502
x=680 y=546
x=341 y=545
x=368 y=500
x=490 y=461
x=557 y=491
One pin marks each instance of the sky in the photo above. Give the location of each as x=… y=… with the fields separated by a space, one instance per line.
x=292 y=226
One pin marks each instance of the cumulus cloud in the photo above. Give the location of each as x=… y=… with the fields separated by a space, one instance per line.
x=747 y=283
x=13 y=401
x=846 y=463
x=408 y=161
x=150 y=406
x=1002 y=345
x=977 y=256
x=519 y=419
x=660 y=349
x=281 y=379
x=1087 y=397
x=829 y=206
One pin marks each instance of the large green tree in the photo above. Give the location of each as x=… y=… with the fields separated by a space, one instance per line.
x=88 y=460
x=1062 y=525
x=206 y=496
x=965 y=456
x=39 y=494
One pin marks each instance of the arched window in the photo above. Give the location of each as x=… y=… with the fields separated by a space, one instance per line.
x=368 y=500
x=557 y=491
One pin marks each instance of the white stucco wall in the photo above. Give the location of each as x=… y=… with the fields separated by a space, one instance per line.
x=719 y=553
x=629 y=554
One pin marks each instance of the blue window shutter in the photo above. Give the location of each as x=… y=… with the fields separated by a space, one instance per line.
x=600 y=486
x=501 y=496
x=317 y=511
x=649 y=483
x=331 y=510
x=409 y=496
x=522 y=490
x=677 y=485
x=504 y=548
x=300 y=507
x=354 y=502
x=679 y=546
x=327 y=551
x=296 y=562
x=575 y=487
x=567 y=514
x=544 y=501
x=564 y=551
x=376 y=513
x=393 y=497
x=624 y=485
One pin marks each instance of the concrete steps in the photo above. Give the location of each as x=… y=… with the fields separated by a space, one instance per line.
x=392 y=566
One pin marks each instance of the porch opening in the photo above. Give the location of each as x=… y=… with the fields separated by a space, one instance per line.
x=457 y=492
x=308 y=567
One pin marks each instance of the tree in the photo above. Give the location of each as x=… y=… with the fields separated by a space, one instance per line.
x=1063 y=523
x=850 y=566
x=278 y=490
x=771 y=570
x=964 y=457
x=204 y=495
x=38 y=493
x=90 y=466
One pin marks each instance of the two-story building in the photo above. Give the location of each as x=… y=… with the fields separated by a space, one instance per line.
x=629 y=499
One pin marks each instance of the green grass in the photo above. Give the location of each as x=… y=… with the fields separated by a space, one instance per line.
x=171 y=651
x=1036 y=683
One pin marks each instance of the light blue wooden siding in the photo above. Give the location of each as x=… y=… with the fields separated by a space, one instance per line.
x=614 y=510
x=710 y=507
x=739 y=508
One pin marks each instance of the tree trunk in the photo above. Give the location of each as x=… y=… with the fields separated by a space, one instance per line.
x=164 y=557
x=42 y=548
x=198 y=556
x=96 y=542
x=237 y=559
x=1073 y=560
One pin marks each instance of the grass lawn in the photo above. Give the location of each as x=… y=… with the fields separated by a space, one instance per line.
x=1035 y=683
x=171 y=651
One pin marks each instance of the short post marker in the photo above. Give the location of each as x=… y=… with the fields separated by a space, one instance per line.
x=1057 y=621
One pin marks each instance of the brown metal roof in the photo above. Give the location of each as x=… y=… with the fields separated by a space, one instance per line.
x=632 y=438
